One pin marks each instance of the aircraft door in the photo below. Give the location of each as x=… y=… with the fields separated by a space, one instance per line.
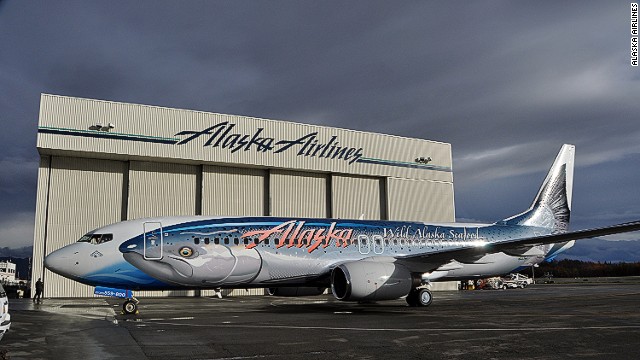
x=378 y=244
x=153 y=240
x=364 y=245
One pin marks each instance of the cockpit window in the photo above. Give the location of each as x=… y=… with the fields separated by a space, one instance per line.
x=96 y=239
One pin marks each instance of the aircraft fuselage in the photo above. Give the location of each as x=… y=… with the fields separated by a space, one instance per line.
x=202 y=252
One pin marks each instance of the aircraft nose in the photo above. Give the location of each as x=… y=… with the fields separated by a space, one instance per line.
x=60 y=261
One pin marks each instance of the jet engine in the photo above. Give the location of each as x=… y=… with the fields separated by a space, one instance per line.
x=370 y=281
x=296 y=291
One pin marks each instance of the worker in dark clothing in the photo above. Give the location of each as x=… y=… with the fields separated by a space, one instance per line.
x=39 y=290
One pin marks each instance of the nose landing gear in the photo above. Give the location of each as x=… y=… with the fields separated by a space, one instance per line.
x=130 y=306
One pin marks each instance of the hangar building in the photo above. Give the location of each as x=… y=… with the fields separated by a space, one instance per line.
x=102 y=162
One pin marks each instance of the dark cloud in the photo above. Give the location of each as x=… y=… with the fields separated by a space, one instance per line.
x=505 y=82
x=597 y=250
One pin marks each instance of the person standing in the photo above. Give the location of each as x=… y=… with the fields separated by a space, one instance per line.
x=39 y=290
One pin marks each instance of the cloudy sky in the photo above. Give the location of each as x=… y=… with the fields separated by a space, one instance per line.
x=505 y=82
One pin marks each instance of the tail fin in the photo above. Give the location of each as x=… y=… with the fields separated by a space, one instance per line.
x=551 y=208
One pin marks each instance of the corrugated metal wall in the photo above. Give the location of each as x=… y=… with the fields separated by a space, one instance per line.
x=84 y=194
x=354 y=196
x=230 y=191
x=419 y=200
x=298 y=194
x=162 y=189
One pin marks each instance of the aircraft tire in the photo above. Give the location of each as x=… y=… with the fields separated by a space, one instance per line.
x=424 y=297
x=412 y=298
x=419 y=297
x=129 y=307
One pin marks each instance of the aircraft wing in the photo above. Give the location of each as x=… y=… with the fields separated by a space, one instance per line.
x=431 y=261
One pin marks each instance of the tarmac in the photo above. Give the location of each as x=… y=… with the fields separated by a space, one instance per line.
x=584 y=320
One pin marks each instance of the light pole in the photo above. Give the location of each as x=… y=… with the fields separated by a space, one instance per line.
x=533 y=273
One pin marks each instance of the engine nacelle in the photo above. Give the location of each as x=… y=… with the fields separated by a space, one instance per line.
x=295 y=291
x=370 y=281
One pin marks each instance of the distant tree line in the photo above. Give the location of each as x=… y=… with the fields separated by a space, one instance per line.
x=577 y=268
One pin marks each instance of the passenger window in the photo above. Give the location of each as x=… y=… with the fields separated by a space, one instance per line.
x=196 y=241
x=216 y=241
x=206 y=241
x=236 y=241
x=266 y=241
x=226 y=241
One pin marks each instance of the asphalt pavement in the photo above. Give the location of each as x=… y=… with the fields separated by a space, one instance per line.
x=579 y=320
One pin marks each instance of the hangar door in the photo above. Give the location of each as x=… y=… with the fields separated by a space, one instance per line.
x=83 y=194
x=233 y=191
x=420 y=200
x=296 y=193
x=355 y=196
x=160 y=189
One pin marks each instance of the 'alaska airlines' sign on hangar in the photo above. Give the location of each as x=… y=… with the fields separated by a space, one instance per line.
x=226 y=136
x=223 y=136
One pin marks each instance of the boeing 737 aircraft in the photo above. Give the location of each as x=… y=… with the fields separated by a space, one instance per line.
x=360 y=260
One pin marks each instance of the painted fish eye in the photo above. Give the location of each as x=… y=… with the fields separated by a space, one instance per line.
x=185 y=251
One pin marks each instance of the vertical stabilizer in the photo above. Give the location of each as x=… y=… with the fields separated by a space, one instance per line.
x=552 y=206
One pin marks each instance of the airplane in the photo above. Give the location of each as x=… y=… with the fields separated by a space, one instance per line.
x=359 y=260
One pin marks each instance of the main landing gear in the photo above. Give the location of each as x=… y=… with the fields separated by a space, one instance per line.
x=419 y=297
x=130 y=306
